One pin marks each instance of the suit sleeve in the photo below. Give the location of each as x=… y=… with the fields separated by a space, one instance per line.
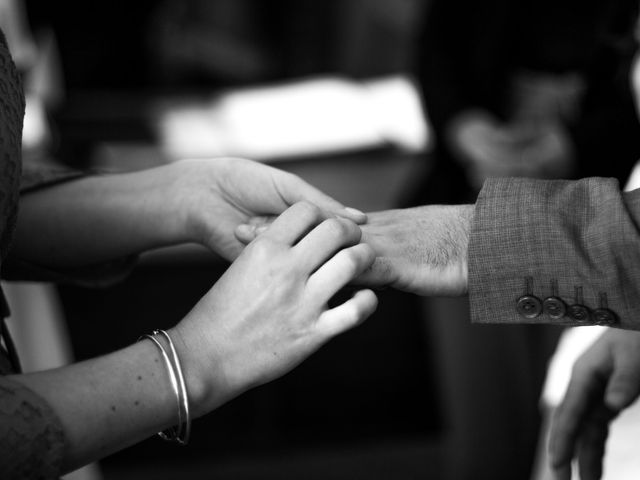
x=557 y=252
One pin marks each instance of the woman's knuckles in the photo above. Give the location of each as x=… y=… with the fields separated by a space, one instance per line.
x=343 y=230
x=309 y=212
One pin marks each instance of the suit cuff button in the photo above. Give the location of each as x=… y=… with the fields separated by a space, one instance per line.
x=554 y=307
x=529 y=306
x=604 y=316
x=579 y=313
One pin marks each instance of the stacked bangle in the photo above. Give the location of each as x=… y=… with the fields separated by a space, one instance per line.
x=181 y=432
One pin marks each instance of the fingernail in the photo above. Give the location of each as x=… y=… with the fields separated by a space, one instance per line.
x=260 y=229
x=354 y=211
x=245 y=228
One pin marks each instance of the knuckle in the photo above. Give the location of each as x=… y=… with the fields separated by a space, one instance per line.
x=358 y=313
x=368 y=254
x=350 y=259
x=263 y=247
x=339 y=228
x=308 y=209
x=334 y=226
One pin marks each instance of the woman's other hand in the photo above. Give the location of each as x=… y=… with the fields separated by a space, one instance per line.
x=266 y=314
x=269 y=311
x=100 y=218
x=218 y=195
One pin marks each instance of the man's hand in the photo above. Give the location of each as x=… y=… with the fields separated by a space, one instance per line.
x=605 y=380
x=221 y=194
x=420 y=250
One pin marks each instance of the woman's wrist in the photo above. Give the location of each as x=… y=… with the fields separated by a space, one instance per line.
x=204 y=376
x=165 y=203
x=192 y=189
x=161 y=196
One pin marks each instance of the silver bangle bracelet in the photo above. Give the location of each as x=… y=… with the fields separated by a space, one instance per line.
x=182 y=431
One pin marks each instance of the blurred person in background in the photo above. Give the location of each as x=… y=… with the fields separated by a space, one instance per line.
x=527 y=88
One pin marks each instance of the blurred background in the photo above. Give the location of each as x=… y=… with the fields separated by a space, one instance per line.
x=382 y=104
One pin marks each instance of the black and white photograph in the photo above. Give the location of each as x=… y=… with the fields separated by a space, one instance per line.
x=320 y=240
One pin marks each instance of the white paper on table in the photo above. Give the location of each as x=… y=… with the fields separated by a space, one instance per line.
x=303 y=118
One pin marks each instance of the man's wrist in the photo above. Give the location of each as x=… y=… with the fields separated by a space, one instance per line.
x=466 y=217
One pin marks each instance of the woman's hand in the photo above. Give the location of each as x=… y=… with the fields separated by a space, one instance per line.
x=269 y=311
x=265 y=315
x=104 y=217
x=220 y=194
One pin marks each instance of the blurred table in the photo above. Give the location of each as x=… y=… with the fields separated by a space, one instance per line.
x=368 y=180
x=116 y=131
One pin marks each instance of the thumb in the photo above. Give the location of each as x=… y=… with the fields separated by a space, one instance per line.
x=247 y=232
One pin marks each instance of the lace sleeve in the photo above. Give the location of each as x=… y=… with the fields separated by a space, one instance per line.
x=32 y=442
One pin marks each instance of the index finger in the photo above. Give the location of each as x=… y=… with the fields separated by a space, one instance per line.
x=295 y=222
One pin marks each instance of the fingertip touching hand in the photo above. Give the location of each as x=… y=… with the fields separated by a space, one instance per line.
x=419 y=250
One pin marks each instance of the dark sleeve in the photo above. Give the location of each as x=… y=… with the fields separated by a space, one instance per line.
x=32 y=442
x=461 y=57
x=42 y=175
x=578 y=241
x=441 y=62
x=606 y=134
x=607 y=140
